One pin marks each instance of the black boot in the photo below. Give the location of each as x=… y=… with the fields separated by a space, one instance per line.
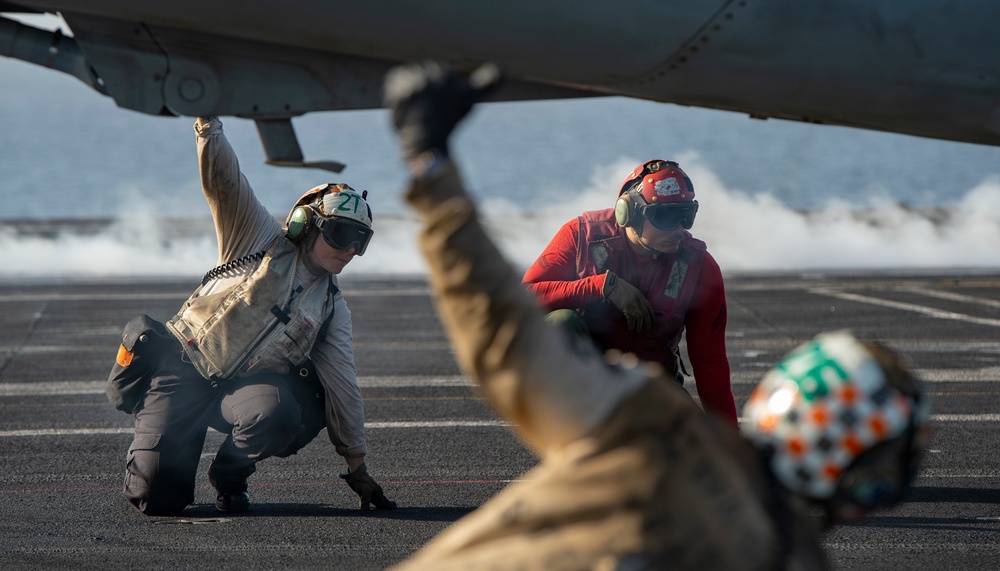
x=232 y=495
x=232 y=502
x=228 y=475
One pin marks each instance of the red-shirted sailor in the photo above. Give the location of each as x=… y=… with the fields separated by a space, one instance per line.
x=633 y=278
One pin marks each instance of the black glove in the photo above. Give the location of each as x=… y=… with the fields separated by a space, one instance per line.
x=428 y=100
x=369 y=490
x=630 y=301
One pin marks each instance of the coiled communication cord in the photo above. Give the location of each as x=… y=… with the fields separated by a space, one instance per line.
x=231 y=265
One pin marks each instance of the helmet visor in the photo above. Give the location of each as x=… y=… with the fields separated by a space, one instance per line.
x=342 y=234
x=668 y=216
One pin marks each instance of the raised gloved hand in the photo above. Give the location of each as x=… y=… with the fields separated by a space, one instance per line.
x=427 y=101
x=630 y=301
x=369 y=490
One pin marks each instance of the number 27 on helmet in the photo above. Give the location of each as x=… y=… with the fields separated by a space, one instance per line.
x=341 y=215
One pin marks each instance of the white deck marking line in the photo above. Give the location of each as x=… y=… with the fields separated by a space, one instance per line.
x=984 y=375
x=52 y=388
x=930 y=311
x=398 y=381
x=950 y=418
x=438 y=424
x=66 y=431
x=401 y=424
x=959 y=375
x=950 y=296
x=22 y=297
x=949 y=547
x=965 y=418
x=368 y=426
x=69 y=388
x=930 y=473
x=97 y=387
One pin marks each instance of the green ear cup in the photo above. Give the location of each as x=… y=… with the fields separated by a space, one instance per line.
x=297 y=223
x=622 y=213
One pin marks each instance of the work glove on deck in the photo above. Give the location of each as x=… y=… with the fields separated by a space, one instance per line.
x=630 y=301
x=369 y=490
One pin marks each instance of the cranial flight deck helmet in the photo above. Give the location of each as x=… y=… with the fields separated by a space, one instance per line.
x=337 y=212
x=841 y=422
x=658 y=191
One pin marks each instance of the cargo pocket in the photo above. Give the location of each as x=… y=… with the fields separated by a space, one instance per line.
x=143 y=340
x=311 y=396
x=141 y=466
x=151 y=483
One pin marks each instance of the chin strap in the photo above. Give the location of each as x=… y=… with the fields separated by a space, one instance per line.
x=642 y=243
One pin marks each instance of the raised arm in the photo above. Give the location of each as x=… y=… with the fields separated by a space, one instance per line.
x=554 y=392
x=242 y=224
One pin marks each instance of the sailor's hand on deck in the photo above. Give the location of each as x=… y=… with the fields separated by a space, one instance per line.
x=630 y=301
x=368 y=489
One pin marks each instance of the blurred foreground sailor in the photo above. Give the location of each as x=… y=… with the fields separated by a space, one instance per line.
x=261 y=351
x=632 y=475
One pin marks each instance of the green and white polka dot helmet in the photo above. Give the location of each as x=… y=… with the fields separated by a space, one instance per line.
x=824 y=417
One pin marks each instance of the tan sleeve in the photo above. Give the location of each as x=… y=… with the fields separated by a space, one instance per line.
x=334 y=359
x=554 y=391
x=242 y=224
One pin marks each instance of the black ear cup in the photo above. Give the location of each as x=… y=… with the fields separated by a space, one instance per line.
x=298 y=223
x=625 y=210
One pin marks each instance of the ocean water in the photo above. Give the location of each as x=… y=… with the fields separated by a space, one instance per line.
x=774 y=195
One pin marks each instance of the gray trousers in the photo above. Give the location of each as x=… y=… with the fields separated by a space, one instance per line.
x=262 y=416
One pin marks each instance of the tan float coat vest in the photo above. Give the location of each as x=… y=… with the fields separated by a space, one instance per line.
x=263 y=323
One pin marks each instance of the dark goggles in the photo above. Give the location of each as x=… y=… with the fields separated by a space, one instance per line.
x=878 y=476
x=668 y=216
x=342 y=234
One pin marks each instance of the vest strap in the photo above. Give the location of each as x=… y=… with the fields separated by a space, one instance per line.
x=334 y=290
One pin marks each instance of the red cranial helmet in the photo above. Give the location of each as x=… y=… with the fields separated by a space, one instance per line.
x=657 y=191
x=659 y=182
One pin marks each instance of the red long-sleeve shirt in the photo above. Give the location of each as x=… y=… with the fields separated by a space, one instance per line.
x=555 y=282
